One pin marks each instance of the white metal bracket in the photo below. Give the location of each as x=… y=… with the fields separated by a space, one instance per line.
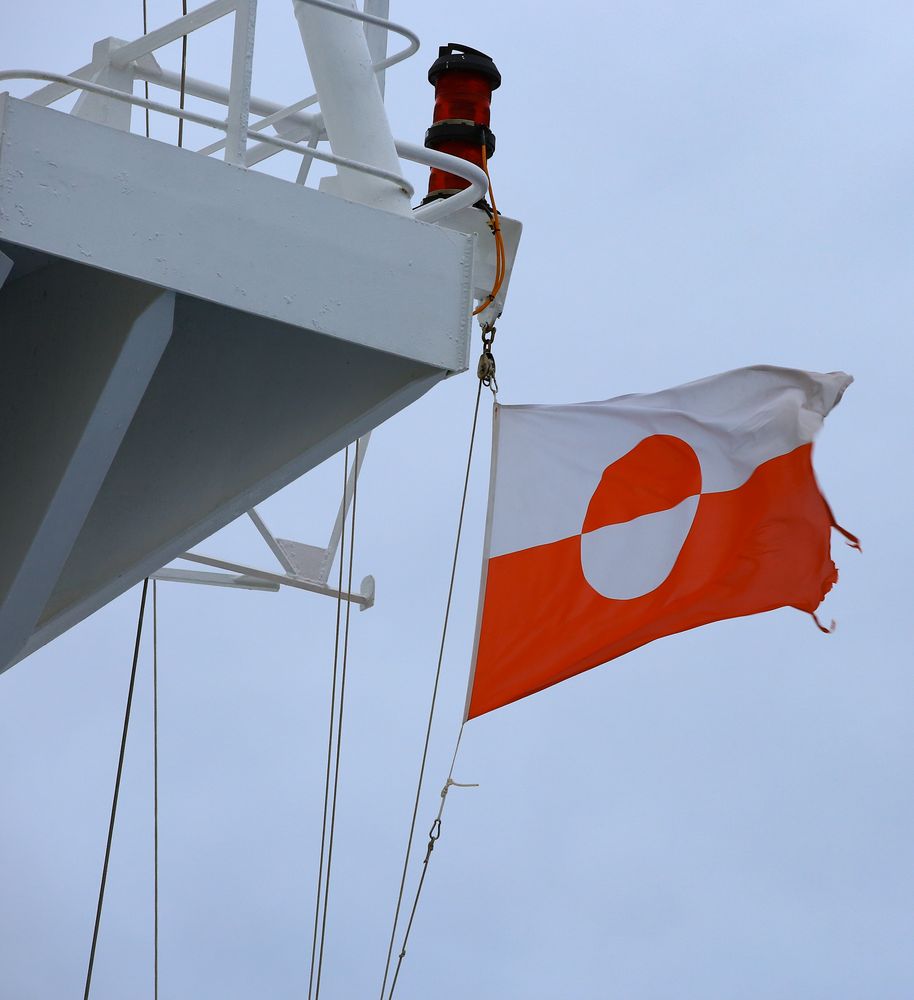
x=304 y=567
x=104 y=110
x=475 y=220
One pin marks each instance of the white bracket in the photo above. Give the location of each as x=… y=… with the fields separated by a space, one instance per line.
x=104 y=110
x=475 y=220
x=305 y=567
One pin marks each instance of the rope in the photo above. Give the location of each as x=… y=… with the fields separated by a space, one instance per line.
x=431 y=711
x=155 y=788
x=117 y=789
x=183 y=76
x=336 y=650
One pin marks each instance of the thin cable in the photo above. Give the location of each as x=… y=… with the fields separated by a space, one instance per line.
x=183 y=77
x=117 y=789
x=501 y=262
x=146 y=88
x=433 y=835
x=339 y=727
x=496 y=228
x=431 y=711
x=155 y=788
x=336 y=650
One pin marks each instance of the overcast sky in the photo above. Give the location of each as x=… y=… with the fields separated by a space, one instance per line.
x=726 y=813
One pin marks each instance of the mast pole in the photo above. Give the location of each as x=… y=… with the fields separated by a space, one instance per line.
x=350 y=100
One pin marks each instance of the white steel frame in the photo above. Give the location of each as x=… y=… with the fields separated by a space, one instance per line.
x=106 y=96
x=305 y=567
x=116 y=65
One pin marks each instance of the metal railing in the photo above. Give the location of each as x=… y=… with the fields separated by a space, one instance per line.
x=117 y=65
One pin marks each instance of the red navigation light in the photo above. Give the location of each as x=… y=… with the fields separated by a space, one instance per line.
x=463 y=79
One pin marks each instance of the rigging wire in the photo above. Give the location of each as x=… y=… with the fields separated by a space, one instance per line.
x=146 y=89
x=331 y=727
x=183 y=77
x=155 y=789
x=431 y=714
x=117 y=789
x=339 y=728
x=433 y=834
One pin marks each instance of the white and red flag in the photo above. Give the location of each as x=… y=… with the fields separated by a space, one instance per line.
x=615 y=523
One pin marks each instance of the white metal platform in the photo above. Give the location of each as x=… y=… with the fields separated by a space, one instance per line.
x=181 y=336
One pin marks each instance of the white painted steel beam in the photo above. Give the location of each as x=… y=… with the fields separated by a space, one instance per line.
x=273 y=364
x=239 y=103
x=78 y=355
x=272 y=543
x=174 y=30
x=149 y=70
x=337 y=530
x=305 y=566
x=234 y=580
x=364 y=599
x=189 y=464
x=351 y=101
x=104 y=110
x=239 y=238
x=377 y=37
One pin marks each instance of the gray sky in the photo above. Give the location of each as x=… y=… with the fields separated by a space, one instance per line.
x=725 y=813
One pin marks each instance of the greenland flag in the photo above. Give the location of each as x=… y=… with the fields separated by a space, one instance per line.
x=612 y=524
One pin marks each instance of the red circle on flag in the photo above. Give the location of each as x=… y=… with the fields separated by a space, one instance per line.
x=639 y=517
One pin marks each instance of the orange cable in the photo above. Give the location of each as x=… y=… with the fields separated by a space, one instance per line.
x=501 y=261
